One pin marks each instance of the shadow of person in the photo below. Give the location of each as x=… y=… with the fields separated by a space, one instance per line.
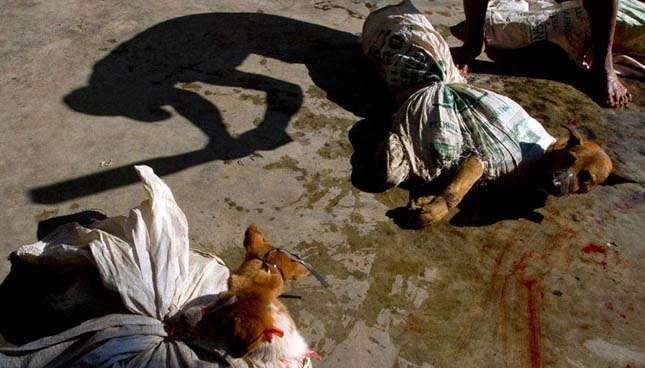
x=145 y=75
x=39 y=301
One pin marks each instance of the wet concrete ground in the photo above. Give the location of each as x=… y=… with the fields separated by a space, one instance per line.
x=245 y=107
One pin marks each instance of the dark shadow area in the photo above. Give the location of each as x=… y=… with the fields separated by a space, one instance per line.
x=405 y=218
x=542 y=60
x=366 y=136
x=83 y=218
x=482 y=207
x=39 y=300
x=158 y=68
x=487 y=206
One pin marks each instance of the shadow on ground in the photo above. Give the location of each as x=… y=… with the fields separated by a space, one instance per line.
x=366 y=136
x=139 y=78
x=542 y=60
x=486 y=206
x=483 y=207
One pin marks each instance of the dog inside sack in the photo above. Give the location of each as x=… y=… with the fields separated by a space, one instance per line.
x=145 y=257
x=448 y=120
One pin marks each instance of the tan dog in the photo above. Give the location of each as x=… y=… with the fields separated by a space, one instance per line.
x=448 y=129
x=570 y=165
x=249 y=316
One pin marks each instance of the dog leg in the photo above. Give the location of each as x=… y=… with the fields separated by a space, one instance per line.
x=434 y=208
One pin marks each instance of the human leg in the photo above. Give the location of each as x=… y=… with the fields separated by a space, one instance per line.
x=607 y=86
x=475 y=11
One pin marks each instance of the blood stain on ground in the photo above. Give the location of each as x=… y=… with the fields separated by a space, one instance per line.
x=534 y=325
x=599 y=255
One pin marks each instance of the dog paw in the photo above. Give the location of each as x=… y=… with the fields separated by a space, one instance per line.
x=433 y=211
x=418 y=203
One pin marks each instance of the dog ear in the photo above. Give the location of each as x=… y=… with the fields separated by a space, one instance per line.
x=252 y=236
x=617 y=177
x=575 y=138
x=254 y=242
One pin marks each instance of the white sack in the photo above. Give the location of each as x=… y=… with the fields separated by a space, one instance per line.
x=146 y=259
x=406 y=47
x=445 y=122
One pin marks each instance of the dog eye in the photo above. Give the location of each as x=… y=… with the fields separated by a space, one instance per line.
x=585 y=176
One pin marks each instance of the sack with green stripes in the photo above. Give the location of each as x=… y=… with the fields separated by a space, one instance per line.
x=447 y=120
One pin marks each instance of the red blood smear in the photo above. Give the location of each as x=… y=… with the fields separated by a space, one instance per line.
x=593 y=248
x=534 y=329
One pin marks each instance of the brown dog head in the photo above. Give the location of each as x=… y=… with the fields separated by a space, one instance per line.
x=576 y=165
x=243 y=315
x=258 y=248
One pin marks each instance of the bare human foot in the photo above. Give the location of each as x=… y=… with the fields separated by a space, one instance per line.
x=608 y=89
x=602 y=21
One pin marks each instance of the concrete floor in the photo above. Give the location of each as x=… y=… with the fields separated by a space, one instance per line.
x=247 y=117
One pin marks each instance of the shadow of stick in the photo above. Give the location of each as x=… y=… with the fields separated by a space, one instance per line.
x=116 y=177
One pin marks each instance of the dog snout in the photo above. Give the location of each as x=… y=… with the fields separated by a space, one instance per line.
x=560 y=183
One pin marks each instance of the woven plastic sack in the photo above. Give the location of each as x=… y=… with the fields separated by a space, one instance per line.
x=145 y=257
x=445 y=122
x=512 y=24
